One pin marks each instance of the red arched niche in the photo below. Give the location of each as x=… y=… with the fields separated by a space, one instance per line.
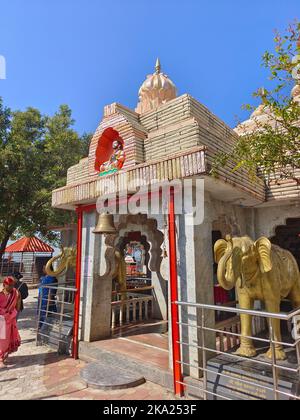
x=104 y=149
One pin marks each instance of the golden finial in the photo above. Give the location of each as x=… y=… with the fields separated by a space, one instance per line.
x=263 y=93
x=158 y=66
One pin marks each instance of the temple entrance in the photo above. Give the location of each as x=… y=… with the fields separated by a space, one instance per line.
x=135 y=249
x=140 y=308
x=139 y=338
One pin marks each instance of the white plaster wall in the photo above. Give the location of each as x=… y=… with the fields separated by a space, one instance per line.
x=268 y=218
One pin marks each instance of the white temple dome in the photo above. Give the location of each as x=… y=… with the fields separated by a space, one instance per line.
x=296 y=92
x=261 y=110
x=156 y=90
x=263 y=116
x=259 y=118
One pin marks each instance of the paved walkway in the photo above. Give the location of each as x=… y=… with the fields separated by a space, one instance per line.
x=38 y=373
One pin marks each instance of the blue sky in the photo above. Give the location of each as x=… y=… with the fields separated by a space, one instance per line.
x=95 y=52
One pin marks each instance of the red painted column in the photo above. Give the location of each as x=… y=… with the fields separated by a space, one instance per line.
x=77 y=284
x=177 y=371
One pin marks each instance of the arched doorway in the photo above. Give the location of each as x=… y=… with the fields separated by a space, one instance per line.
x=140 y=235
x=135 y=248
x=288 y=237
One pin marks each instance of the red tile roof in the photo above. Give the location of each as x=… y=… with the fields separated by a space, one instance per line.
x=29 y=245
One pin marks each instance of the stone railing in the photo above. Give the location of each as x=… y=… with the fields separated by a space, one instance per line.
x=226 y=342
x=179 y=166
x=136 y=308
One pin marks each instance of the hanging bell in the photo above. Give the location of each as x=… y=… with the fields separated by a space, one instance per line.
x=105 y=224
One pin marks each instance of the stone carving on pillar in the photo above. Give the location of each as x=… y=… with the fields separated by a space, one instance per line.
x=110 y=260
x=115 y=264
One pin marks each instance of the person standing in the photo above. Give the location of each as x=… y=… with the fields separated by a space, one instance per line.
x=10 y=301
x=47 y=297
x=22 y=288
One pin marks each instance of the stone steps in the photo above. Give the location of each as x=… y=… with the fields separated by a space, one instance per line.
x=137 y=363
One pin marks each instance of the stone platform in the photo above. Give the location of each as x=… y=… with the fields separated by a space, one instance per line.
x=229 y=378
x=106 y=377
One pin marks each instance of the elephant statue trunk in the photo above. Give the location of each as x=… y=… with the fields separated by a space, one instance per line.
x=67 y=259
x=229 y=264
x=225 y=272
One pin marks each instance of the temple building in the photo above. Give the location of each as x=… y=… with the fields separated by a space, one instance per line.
x=165 y=139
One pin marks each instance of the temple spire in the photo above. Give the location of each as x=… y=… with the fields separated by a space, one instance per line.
x=158 y=66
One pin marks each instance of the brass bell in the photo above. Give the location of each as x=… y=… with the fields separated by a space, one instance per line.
x=105 y=224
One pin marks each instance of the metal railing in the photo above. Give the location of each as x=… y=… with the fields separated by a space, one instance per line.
x=225 y=375
x=56 y=316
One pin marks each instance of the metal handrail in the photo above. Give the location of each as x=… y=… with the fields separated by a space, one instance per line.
x=47 y=331
x=282 y=316
x=57 y=287
x=276 y=369
x=230 y=333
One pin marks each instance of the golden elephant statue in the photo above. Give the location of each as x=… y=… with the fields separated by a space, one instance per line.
x=259 y=271
x=120 y=274
x=67 y=260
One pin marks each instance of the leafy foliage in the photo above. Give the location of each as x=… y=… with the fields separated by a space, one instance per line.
x=35 y=153
x=273 y=144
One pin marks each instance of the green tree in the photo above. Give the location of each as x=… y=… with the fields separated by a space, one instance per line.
x=35 y=153
x=273 y=147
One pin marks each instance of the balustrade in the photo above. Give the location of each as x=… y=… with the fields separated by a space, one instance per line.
x=136 y=308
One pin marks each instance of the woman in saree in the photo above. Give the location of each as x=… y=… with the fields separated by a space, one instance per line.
x=9 y=306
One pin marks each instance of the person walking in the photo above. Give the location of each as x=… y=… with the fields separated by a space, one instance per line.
x=10 y=301
x=22 y=288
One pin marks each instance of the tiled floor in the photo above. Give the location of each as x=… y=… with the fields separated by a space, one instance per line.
x=139 y=348
x=38 y=373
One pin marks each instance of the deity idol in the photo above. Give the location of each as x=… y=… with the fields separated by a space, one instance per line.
x=117 y=158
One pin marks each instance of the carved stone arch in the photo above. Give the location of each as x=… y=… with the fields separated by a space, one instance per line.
x=148 y=228
x=105 y=146
x=125 y=123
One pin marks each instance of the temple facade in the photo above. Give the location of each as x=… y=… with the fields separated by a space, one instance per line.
x=166 y=139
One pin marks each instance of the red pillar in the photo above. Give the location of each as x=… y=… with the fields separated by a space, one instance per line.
x=77 y=284
x=177 y=371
